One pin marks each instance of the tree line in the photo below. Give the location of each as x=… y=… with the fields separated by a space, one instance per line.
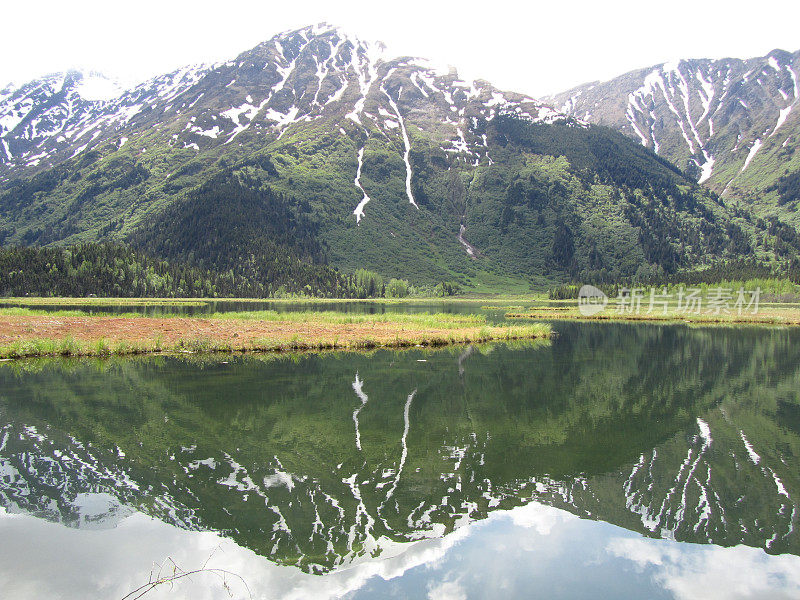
x=115 y=270
x=724 y=271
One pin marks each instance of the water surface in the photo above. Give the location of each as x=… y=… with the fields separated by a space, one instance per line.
x=205 y=307
x=619 y=461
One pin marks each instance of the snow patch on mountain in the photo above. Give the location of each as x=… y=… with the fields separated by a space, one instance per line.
x=359 y=210
x=753 y=151
x=407 y=144
x=366 y=69
x=706 y=170
x=782 y=116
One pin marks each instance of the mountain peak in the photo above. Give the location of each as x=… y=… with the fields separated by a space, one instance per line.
x=319 y=71
x=323 y=29
x=96 y=86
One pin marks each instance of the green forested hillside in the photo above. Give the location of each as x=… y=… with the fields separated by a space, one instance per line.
x=568 y=202
x=232 y=225
x=556 y=202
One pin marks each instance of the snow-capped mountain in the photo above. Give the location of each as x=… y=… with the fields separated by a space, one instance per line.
x=299 y=76
x=41 y=116
x=385 y=157
x=733 y=124
x=57 y=117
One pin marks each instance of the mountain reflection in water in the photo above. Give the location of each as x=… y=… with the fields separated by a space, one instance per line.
x=355 y=465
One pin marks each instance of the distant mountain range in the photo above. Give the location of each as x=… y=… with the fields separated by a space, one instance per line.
x=733 y=124
x=329 y=151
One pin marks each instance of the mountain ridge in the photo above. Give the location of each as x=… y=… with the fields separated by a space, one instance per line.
x=730 y=123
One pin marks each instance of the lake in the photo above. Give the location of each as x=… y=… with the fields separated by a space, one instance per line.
x=205 y=307
x=613 y=461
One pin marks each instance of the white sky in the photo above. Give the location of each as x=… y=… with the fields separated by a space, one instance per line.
x=532 y=47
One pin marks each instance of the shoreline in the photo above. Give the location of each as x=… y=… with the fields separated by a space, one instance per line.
x=771 y=316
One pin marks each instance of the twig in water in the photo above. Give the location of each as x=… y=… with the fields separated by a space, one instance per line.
x=177 y=573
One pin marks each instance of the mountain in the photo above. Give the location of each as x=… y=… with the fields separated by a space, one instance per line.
x=732 y=124
x=372 y=161
x=37 y=119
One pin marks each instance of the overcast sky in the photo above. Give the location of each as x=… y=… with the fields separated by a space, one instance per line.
x=532 y=47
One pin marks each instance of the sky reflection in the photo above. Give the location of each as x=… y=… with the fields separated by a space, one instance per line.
x=533 y=550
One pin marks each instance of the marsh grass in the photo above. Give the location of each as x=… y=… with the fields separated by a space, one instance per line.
x=41 y=364
x=767 y=315
x=101 y=347
x=69 y=347
x=430 y=320
x=410 y=330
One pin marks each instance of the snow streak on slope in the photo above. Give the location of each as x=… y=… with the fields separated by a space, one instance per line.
x=669 y=83
x=281 y=119
x=367 y=72
x=359 y=210
x=404 y=452
x=753 y=151
x=470 y=249
x=755 y=458
x=407 y=144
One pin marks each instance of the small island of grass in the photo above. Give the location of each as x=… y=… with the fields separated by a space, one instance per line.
x=767 y=314
x=27 y=332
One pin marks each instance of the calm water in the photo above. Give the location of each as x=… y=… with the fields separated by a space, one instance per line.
x=616 y=461
x=212 y=306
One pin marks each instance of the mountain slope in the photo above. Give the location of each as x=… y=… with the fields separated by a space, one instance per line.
x=732 y=124
x=392 y=164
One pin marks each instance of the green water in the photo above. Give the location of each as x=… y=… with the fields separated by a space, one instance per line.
x=213 y=306
x=612 y=461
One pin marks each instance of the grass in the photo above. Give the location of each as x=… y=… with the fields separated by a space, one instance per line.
x=238 y=332
x=767 y=314
x=439 y=320
x=201 y=359
x=15 y=311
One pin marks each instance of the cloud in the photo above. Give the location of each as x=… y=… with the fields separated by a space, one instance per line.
x=539 y=517
x=448 y=590
x=44 y=560
x=695 y=572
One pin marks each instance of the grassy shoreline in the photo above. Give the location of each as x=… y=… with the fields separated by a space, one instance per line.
x=29 y=333
x=33 y=301
x=786 y=315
